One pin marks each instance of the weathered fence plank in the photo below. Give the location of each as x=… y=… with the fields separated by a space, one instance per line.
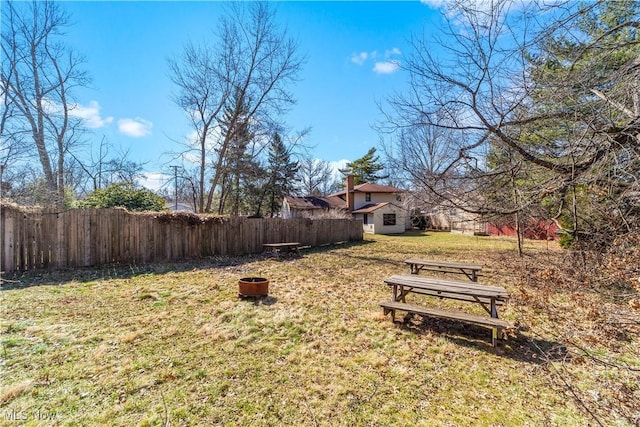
x=32 y=238
x=8 y=255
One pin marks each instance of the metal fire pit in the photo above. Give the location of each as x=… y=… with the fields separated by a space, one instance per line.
x=253 y=287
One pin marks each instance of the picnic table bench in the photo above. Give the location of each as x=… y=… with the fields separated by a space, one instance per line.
x=284 y=247
x=489 y=297
x=469 y=270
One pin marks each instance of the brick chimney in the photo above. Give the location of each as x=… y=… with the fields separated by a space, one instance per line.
x=350 y=195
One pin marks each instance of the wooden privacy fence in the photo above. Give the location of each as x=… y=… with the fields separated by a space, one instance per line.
x=41 y=238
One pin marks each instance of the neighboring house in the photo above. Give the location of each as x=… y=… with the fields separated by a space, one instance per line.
x=382 y=218
x=377 y=206
x=313 y=207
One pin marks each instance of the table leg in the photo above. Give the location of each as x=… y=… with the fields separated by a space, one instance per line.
x=394 y=293
x=494 y=309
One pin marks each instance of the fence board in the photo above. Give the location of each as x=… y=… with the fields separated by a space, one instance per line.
x=7 y=243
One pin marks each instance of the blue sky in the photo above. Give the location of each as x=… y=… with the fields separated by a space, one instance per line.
x=352 y=51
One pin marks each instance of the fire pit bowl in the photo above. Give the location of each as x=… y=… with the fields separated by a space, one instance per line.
x=253 y=287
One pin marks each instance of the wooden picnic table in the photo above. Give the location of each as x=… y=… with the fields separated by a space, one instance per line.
x=469 y=270
x=284 y=247
x=489 y=297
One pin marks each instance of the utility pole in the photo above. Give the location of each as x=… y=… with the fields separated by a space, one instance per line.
x=175 y=175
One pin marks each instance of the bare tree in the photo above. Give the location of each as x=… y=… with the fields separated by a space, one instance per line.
x=12 y=143
x=39 y=73
x=316 y=177
x=245 y=73
x=420 y=157
x=203 y=91
x=100 y=168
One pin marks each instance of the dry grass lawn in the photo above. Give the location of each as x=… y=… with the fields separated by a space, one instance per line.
x=173 y=344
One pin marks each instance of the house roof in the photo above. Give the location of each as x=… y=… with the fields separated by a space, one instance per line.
x=313 y=202
x=370 y=188
x=370 y=208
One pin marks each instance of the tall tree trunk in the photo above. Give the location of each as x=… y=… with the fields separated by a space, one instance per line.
x=203 y=164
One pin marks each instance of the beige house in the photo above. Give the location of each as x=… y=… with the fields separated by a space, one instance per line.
x=381 y=218
x=379 y=207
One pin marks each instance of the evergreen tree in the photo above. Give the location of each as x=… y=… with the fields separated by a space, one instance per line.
x=365 y=169
x=281 y=173
x=590 y=84
x=238 y=162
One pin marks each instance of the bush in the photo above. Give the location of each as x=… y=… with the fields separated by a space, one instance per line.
x=124 y=195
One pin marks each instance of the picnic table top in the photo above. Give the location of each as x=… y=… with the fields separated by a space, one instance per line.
x=437 y=263
x=448 y=286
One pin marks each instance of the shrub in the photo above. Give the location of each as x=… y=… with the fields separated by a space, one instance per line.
x=124 y=195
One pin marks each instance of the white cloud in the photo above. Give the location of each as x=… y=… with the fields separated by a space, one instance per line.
x=336 y=166
x=485 y=5
x=391 y=52
x=192 y=139
x=359 y=58
x=135 y=128
x=433 y=3
x=155 y=180
x=451 y=9
x=50 y=107
x=387 y=67
x=90 y=114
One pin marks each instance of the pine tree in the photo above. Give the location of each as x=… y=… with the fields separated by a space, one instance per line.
x=281 y=172
x=365 y=169
x=588 y=88
x=238 y=163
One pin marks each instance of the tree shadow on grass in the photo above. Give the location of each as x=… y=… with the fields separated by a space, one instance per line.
x=412 y=233
x=21 y=280
x=373 y=259
x=258 y=301
x=332 y=246
x=517 y=346
x=42 y=277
